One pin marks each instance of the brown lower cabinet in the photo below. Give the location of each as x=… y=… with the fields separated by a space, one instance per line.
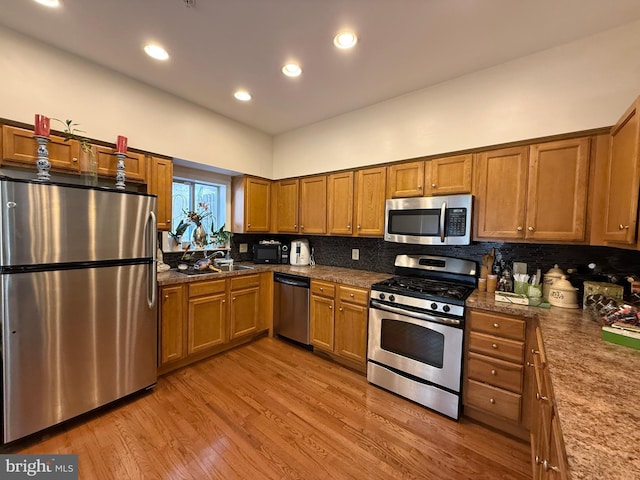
x=199 y=319
x=548 y=455
x=507 y=386
x=496 y=379
x=339 y=315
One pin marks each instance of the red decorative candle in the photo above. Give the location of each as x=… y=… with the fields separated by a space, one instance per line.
x=42 y=125
x=121 y=145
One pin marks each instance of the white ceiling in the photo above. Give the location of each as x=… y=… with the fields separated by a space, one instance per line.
x=218 y=46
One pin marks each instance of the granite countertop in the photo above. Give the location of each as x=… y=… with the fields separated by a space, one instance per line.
x=597 y=390
x=346 y=276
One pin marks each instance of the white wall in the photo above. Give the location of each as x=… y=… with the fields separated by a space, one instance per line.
x=35 y=78
x=582 y=85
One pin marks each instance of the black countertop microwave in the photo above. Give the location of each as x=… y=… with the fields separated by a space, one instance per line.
x=444 y=220
x=270 y=253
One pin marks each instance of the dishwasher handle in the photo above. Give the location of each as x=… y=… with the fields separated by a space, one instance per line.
x=291 y=280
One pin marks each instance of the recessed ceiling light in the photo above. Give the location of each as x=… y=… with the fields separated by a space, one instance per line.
x=49 y=3
x=156 y=51
x=345 y=40
x=242 y=95
x=292 y=70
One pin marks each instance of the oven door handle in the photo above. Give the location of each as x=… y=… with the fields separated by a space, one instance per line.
x=422 y=316
x=443 y=212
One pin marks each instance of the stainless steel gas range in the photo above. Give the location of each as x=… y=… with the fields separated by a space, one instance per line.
x=416 y=326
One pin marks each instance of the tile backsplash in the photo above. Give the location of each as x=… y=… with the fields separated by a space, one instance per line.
x=378 y=256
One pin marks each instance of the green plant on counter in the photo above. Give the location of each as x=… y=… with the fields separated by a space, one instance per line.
x=220 y=236
x=180 y=229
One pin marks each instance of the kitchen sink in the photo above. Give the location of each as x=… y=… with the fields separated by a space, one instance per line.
x=222 y=268
x=234 y=268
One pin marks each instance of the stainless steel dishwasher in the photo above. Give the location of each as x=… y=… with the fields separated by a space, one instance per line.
x=291 y=307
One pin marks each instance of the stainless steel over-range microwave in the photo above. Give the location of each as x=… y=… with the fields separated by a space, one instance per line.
x=442 y=220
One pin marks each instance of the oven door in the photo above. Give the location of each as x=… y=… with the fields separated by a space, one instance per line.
x=425 y=349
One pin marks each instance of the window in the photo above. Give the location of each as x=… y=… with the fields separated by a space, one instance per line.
x=207 y=199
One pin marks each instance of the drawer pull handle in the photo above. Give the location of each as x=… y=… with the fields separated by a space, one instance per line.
x=493 y=345
x=496 y=325
x=330 y=307
x=493 y=372
x=166 y=297
x=541 y=397
x=546 y=465
x=340 y=309
x=351 y=295
x=491 y=400
x=322 y=289
x=529 y=364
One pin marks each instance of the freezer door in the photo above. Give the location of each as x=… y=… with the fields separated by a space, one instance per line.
x=46 y=223
x=73 y=340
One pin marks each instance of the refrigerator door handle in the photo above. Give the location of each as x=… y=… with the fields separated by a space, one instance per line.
x=152 y=271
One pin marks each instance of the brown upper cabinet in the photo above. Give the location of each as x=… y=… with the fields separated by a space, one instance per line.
x=251 y=205
x=134 y=164
x=160 y=183
x=448 y=175
x=405 y=180
x=369 y=201
x=438 y=176
x=536 y=193
x=313 y=205
x=340 y=203
x=19 y=148
x=621 y=211
x=285 y=205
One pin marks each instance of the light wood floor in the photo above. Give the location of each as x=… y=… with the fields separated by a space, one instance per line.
x=270 y=410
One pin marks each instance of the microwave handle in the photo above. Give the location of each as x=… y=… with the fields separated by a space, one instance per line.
x=443 y=212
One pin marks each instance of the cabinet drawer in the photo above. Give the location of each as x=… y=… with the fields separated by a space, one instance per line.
x=499 y=325
x=245 y=281
x=512 y=350
x=495 y=372
x=324 y=289
x=206 y=288
x=353 y=295
x=494 y=400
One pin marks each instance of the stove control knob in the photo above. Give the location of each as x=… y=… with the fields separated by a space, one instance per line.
x=392 y=298
x=382 y=296
x=446 y=308
x=434 y=306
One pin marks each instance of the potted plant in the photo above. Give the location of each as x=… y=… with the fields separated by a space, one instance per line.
x=220 y=236
x=89 y=163
x=180 y=229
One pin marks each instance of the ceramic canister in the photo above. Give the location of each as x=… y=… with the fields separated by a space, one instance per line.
x=551 y=276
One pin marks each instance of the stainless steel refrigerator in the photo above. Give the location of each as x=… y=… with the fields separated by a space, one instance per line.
x=77 y=299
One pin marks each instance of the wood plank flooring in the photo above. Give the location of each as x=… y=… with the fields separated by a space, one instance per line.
x=270 y=410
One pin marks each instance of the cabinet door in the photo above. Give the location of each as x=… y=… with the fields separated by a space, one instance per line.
x=449 y=175
x=245 y=305
x=313 y=205
x=286 y=207
x=340 y=203
x=370 y=201
x=500 y=197
x=161 y=184
x=172 y=324
x=322 y=322
x=557 y=190
x=351 y=332
x=134 y=164
x=257 y=205
x=623 y=178
x=20 y=148
x=405 y=180
x=207 y=319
